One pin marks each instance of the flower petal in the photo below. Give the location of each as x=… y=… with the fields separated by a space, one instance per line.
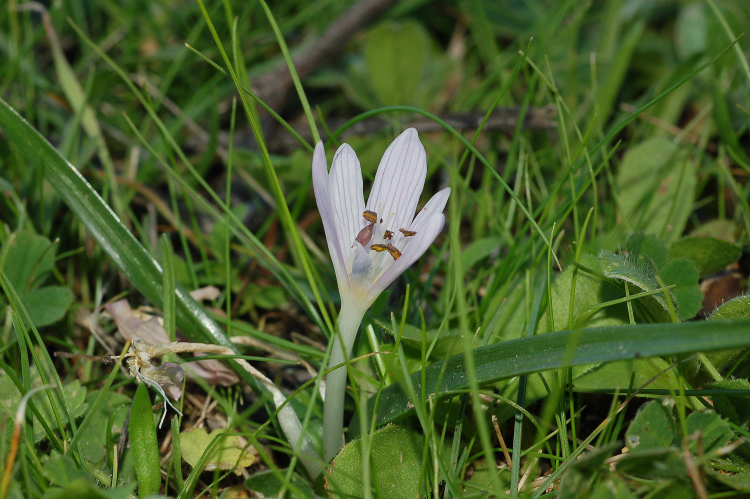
x=435 y=205
x=399 y=181
x=418 y=244
x=348 y=201
x=325 y=206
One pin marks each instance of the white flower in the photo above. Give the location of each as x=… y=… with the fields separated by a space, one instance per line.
x=372 y=244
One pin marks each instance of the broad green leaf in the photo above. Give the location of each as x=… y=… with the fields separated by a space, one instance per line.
x=577 y=482
x=144 y=444
x=715 y=432
x=736 y=308
x=682 y=274
x=656 y=182
x=482 y=478
x=395 y=56
x=648 y=247
x=590 y=291
x=613 y=487
x=47 y=305
x=735 y=408
x=395 y=465
x=554 y=350
x=653 y=428
x=448 y=343
x=268 y=484
x=62 y=470
x=10 y=396
x=75 y=395
x=738 y=481
x=93 y=445
x=641 y=274
x=709 y=254
x=690 y=30
x=641 y=261
x=224 y=455
x=83 y=488
x=29 y=259
x=719 y=228
x=616 y=375
x=478 y=250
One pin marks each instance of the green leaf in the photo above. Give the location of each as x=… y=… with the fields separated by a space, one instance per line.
x=647 y=246
x=691 y=30
x=719 y=228
x=483 y=477
x=396 y=55
x=641 y=274
x=735 y=408
x=656 y=182
x=395 y=465
x=715 y=432
x=682 y=274
x=93 y=445
x=616 y=375
x=663 y=463
x=478 y=250
x=736 y=308
x=641 y=261
x=88 y=489
x=554 y=350
x=268 y=484
x=709 y=254
x=75 y=395
x=144 y=444
x=652 y=428
x=590 y=291
x=576 y=481
x=70 y=481
x=29 y=259
x=738 y=481
x=47 y=305
x=61 y=470
x=224 y=455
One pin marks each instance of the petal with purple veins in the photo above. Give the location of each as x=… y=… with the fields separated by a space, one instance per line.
x=399 y=181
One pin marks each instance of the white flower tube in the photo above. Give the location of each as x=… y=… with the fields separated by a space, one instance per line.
x=370 y=244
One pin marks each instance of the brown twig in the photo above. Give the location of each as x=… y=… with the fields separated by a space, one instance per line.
x=502 y=441
x=273 y=87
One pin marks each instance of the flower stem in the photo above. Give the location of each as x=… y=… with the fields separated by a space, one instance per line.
x=333 y=408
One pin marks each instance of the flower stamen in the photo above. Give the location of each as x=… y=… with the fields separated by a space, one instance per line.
x=365 y=235
x=395 y=253
x=407 y=233
x=370 y=216
x=388 y=235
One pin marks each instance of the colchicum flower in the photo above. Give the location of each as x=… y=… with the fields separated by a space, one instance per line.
x=370 y=244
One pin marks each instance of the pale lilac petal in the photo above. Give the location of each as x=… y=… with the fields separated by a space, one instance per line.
x=362 y=265
x=399 y=181
x=169 y=376
x=345 y=181
x=133 y=323
x=435 y=205
x=213 y=371
x=416 y=247
x=325 y=206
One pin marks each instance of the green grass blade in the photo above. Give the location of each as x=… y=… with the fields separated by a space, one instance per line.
x=126 y=252
x=560 y=349
x=130 y=256
x=144 y=444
